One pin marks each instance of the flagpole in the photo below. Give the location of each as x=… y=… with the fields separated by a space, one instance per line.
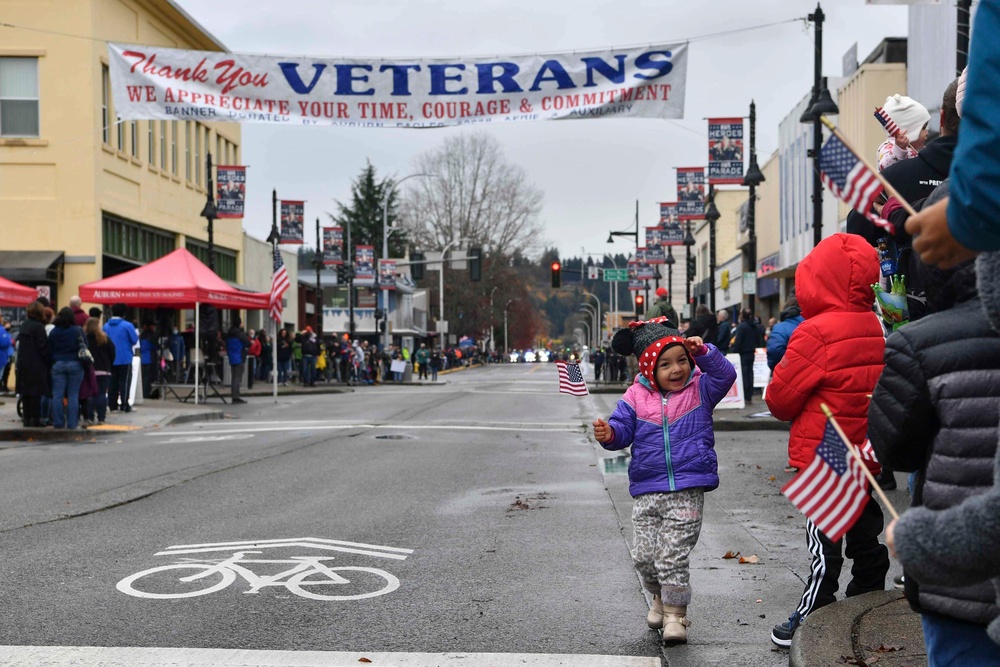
x=857 y=455
x=888 y=186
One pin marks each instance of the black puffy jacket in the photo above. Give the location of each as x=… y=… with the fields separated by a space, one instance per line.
x=935 y=410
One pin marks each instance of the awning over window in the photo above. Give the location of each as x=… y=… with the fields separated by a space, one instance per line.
x=31 y=266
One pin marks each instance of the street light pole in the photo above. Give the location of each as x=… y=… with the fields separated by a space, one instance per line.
x=593 y=318
x=385 y=252
x=712 y=215
x=506 y=346
x=319 y=288
x=492 y=347
x=444 y=253
x=753 y=178
x=210 y=213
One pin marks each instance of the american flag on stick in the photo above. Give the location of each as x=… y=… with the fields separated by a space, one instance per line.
x=571 y=379
x=832 y=491
x=279 y=285
x=852 y=179
x=882 y=117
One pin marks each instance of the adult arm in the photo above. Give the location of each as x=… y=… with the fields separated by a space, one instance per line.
x=797 y=374
x=776 y=345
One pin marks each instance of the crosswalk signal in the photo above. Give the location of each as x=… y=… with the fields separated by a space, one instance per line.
x=556 y=275
x=640 y=301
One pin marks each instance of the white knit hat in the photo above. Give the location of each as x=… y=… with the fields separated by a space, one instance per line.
x=908 y=114
x=960 y=92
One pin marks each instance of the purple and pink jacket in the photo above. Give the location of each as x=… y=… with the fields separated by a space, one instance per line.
x=673 y=443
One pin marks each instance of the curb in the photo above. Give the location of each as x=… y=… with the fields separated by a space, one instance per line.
x=830 y=635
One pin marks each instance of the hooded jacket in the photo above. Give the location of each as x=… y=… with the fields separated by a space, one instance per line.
x=673 y=443
x=835 y=356
x=777 y=342
x=124 y=337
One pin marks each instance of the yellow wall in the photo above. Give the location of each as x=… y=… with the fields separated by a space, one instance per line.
x=726 y=229
x=767 y=225
x=56 y=186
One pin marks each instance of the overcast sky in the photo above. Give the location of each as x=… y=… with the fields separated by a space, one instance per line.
x=591 y=171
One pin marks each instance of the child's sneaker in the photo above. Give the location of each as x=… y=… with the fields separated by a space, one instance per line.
x=675 y=625
x=782 y=634
x=654 y=619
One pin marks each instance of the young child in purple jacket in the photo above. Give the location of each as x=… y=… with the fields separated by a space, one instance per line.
x=666 y=416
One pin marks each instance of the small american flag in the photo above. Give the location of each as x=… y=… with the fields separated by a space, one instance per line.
x=887 y=123
x=851 y=180
x=571 y=379
x=832 y=491
x=279 y=285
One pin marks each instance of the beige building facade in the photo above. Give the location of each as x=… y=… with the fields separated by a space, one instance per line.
x=84 y=196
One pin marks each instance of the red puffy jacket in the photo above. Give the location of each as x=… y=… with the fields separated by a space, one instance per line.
x=836 y=355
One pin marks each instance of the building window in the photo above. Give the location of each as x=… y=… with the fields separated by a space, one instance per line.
x=130 y=240
x=134 y=131
x=163 y=145
x=105 y=105
x=225 y=260
x=19 y=115
x=218 y=150
x=151 y=131
x=173 y=147
x=197 y=154
x=187 y=150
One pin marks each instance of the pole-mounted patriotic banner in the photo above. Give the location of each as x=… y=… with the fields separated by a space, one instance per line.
x=333 y=246
x=671 y=232
x=230 y=191
x=292 y=217
x=690 y=193
x=654 y=246
x=634 y=284
x=643 y=270
x=725 y=151
x=571 y=380
x=152 y=82
x=387 y=274
x=364 y=262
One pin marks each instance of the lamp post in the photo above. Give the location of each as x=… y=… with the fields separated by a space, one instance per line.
x=318 y=260
x=670 y=261
x=587 y=339
x=492 y=323
x=506 y=347
x=593 y=317
x=441 y=285
x=819 y=104
x=385 y=251
x=612 y=296
x=753 y=178
x=597 y=330
x=210 y=213
x=688 y=242
x=274 y=238
x=712 y=215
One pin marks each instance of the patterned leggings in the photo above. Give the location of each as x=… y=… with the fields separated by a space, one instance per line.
x=667 y=526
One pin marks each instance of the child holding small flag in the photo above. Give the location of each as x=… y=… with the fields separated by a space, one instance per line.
x=906 y=121
x=669 y=405
x=833 y=358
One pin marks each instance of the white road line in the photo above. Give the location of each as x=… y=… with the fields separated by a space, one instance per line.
x=292 y=427
x=73 y=656
x=309 y=542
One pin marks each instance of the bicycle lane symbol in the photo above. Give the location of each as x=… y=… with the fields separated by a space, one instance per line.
x=308 y=577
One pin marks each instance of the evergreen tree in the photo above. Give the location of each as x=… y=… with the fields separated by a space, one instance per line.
x=364 y=214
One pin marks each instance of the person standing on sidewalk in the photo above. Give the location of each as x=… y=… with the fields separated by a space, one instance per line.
x=748 y=339
x=124 y=338
x=33 y=363
x=669 y=406
x=237 y=345
x=834 y=358
x=65 y=341
x=662 y=308
x=253 y=355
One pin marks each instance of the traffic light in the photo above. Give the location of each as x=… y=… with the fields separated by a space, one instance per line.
x=416 y=268
x=691 y=268
x=640 y=301
x=556 y=275
x=475 y=256
x=341 y=274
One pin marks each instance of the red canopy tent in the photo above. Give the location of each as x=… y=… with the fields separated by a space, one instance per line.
x=14 y=294
x=177 y=280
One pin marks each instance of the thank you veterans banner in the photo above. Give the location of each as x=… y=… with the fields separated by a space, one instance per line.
x=364 y=262
x=725 y=150
x=150 y=82
x=670 y=227
x=292 y=216
x=387 y=274
x=230 y=191
x=690 y=193
x=333 y=246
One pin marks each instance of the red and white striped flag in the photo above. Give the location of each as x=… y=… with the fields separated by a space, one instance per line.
x=832 y=491
x=851 y=180
x=571 y=379
x=886 y=121
x=279 y=285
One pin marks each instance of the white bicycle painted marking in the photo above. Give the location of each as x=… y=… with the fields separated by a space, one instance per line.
x=307 y=571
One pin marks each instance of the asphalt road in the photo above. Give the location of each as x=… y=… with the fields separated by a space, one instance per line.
x=472 y=518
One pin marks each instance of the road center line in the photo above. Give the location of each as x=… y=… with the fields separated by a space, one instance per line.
x=67 y=656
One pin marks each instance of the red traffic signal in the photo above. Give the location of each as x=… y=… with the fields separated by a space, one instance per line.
x=556 y=275
x=639 y=301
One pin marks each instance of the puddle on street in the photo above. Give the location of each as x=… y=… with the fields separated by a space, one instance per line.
x=616 y=465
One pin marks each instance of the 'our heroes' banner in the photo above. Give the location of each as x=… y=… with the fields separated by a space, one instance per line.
x=292 y=218
x=333 y=246
x=150 y=82
x=725 y=150
x=230 y=191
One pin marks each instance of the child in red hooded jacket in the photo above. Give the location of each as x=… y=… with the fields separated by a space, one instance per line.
x=834 y=357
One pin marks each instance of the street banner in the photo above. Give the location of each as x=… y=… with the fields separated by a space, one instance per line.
x=292 y=216
x=151 y=82
x=654 y=246
x=230 y=191
x=364 y=262
x=333 y=246
x=645 y=272
x=725 y=151
x=387 y=274
x=690 y=193
x=670 y=227
x=636 y=285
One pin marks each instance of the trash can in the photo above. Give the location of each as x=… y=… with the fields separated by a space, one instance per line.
x=408 y=373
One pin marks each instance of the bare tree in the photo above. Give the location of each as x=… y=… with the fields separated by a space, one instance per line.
x=472 y=192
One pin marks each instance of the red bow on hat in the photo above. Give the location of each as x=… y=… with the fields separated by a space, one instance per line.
x=640 y=323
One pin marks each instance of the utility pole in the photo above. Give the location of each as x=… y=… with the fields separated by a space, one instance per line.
x=319 y=287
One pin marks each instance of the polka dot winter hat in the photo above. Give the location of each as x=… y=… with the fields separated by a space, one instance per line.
x=646 y=340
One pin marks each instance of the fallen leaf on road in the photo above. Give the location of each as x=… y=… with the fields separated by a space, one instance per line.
x=758 y=602
x=771 y=478
x=888 y=649
x=730 y=554
x=363 y=660
x=748 y=559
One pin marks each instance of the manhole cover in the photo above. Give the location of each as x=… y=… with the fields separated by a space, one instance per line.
x=394 y=437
